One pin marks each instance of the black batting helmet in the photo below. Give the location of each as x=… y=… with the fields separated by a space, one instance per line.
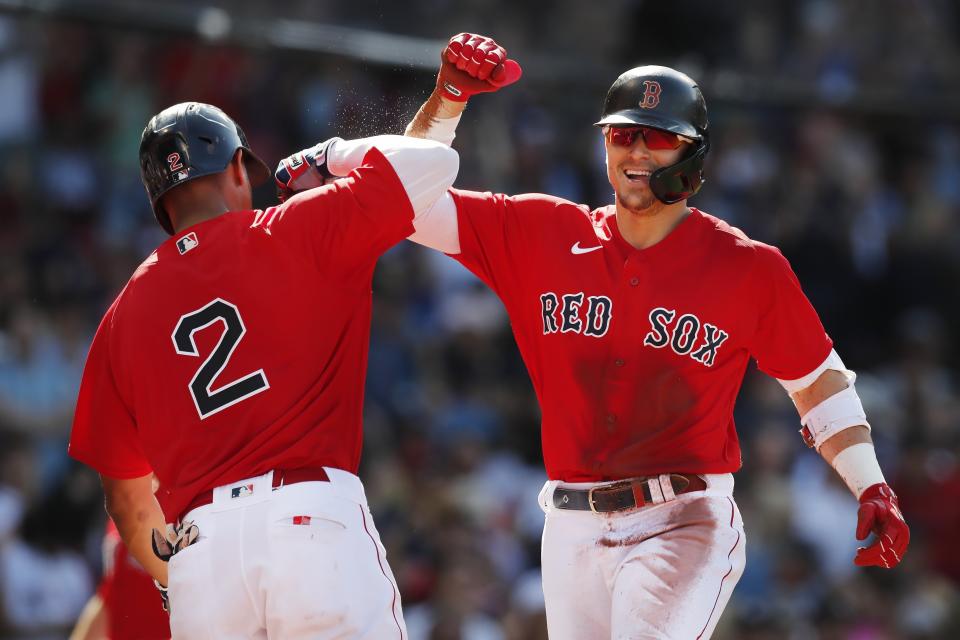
x=186 y=141
x=663 y=98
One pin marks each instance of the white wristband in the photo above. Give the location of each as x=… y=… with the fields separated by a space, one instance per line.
x=838 y=412
x=858 y=466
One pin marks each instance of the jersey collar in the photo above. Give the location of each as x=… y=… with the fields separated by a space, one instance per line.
x=682 y=236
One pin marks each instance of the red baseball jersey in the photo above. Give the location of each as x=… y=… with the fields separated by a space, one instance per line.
x=240 y=344
x=637 y=356
x=133 y=605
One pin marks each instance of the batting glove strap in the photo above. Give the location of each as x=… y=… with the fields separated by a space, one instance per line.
x=164 y=597
x=880 y=514
x=304 y=170
x=472 y=64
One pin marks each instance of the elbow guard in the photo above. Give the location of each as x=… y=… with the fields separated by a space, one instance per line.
x=838 y=412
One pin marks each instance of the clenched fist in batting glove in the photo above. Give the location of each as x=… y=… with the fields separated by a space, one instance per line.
x=880 y=513
x=303 y=170
x=471 y=64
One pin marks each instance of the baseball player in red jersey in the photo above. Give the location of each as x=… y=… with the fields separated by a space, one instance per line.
x=232 y=366
x=126 y=605
x=636 y=322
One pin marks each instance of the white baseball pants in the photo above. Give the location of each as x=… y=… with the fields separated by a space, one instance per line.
x=663 y=571
x=300 y=561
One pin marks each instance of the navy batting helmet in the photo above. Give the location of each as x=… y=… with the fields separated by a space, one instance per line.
x=663 y=98
x=187 y=141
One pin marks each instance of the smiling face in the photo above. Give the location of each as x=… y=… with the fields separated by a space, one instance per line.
x=630 y=162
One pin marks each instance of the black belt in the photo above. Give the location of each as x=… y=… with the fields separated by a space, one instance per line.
x=626 y=494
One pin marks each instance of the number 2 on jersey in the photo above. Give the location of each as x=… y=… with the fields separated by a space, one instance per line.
x=209 y=401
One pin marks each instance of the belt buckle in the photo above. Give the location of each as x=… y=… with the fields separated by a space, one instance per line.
x=593 y=507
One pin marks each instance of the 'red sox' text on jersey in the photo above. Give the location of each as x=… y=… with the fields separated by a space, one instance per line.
x=201 y=359
x=637 y=356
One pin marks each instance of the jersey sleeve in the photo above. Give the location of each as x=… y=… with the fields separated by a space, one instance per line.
x=104 y=434
x=349 y=223
x=790 y=340
x=500 y=235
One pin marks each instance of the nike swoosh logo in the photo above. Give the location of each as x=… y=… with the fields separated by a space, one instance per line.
x=576 y=249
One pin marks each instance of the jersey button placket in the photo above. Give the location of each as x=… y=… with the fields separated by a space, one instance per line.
x=632 y=270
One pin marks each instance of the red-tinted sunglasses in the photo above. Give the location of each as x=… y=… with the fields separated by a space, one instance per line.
x=655 y=139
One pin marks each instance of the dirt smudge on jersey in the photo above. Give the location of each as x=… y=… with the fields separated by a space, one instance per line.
x=643 y=419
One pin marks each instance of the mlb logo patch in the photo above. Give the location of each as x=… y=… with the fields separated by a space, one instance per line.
x=241 y=491
x=187 y=242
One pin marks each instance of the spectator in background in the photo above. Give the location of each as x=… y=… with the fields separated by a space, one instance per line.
x=40 y=366
x=44 y=576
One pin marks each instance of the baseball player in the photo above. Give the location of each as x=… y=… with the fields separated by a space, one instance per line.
x=126 y=605
x=636 y=322
x=232 y=366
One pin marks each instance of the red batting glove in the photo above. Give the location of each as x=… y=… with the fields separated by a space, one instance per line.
x=880 y=513
x=472 y=64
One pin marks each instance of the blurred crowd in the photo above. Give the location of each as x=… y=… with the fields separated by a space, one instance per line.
x=865 y=203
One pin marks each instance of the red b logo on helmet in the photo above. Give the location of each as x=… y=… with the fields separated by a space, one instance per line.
x=651 y=94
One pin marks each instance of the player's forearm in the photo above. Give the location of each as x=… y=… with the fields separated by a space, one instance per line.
x=848 y=450
x=436 y=120
x=836 y=424
x=844 y=439
x=136 y=527
x=136 y=512
x=425 y=168
x=852 y=455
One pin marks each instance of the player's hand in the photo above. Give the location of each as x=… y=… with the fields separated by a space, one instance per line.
x=174 y=540
x=471 y=64
x=880 y=513
x=303 y=170
x=167 y=544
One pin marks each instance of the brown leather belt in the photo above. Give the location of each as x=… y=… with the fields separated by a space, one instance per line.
x=281 y=477
x=626 y=494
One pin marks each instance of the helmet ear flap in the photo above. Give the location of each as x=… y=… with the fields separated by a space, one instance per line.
x=683 y=179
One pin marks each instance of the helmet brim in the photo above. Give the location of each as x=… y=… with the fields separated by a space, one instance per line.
x=257 y=170
x=629 y=117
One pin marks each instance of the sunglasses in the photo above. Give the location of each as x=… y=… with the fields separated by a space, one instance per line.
x=654 y=139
